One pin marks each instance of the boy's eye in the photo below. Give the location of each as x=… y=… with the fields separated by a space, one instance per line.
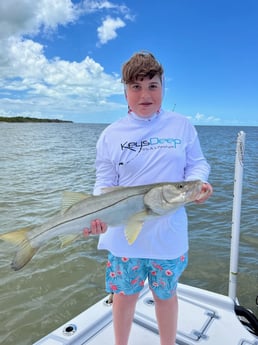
x=138 y=87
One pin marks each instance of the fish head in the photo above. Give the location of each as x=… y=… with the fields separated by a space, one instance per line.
x=167 y=197
x=181 y=192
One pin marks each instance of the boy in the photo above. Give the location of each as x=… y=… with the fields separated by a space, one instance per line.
x=149 y=145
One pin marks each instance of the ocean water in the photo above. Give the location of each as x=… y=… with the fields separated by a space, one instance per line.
x=38 y=161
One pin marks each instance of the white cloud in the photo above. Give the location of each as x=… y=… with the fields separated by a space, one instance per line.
x=199 y=117
x=203 y=119
x=90 y=6
x=30 y=83
x=49 y=85
x=25 y=17
x=93 y=6
x=107 y=31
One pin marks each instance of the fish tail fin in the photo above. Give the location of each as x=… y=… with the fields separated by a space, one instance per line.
x=24 y=252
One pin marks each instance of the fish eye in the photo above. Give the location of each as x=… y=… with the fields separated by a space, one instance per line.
x=180 y=186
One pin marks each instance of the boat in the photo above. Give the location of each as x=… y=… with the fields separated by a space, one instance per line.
x=205 y=317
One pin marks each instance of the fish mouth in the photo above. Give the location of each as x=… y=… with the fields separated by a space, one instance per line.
x=198 y=193
x=194 y=194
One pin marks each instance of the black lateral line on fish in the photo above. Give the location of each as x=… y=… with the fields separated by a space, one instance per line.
x=67 y=221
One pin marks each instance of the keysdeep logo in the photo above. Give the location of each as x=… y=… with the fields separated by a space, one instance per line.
x=162 y=142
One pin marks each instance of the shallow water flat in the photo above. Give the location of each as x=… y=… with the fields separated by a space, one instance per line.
x=39 y=161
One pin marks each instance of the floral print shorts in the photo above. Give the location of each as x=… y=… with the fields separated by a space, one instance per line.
x=127 y=275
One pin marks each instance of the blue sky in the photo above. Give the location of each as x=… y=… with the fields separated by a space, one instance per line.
x=62 y=59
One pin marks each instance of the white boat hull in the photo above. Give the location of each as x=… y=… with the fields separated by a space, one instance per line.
x=204 y=318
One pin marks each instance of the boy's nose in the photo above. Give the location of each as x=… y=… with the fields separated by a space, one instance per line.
x=145 y=92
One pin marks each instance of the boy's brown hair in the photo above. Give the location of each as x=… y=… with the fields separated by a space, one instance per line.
x=140 y=66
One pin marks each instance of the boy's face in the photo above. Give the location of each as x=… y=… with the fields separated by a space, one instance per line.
x=144 y=96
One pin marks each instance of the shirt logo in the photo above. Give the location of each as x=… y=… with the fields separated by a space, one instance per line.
x=161 y=142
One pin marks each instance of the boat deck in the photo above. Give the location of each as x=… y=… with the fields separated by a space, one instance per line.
x=205 y=318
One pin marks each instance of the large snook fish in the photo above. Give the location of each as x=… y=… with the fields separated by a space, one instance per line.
x=128 y=206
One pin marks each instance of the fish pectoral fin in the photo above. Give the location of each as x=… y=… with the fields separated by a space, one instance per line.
x=68 y=239
x=134 y=226
x=71 y=198
x=24 y=252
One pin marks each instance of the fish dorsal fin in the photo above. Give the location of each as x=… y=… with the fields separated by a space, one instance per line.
x=110 y=189
x=134 y=226
x=71 y=198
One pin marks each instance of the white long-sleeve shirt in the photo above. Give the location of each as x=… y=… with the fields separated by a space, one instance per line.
x=135 y=151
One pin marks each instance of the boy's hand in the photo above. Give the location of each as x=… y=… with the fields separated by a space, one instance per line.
x=97 y=227
x=206 y=192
